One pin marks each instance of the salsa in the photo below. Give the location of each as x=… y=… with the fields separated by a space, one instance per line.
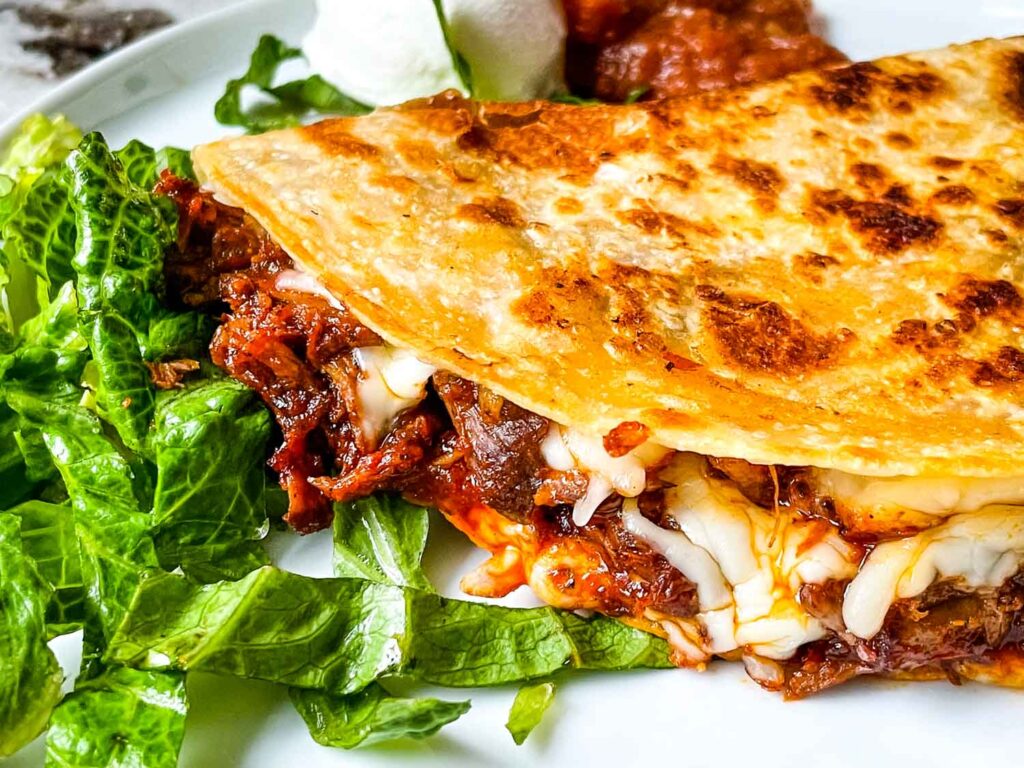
x=627 y=49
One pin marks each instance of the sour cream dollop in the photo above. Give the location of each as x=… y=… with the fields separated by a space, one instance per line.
x=389 y=51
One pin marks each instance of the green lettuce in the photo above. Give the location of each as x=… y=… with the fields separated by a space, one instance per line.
x=110 y=494
x=123 y=232
x=143 y=165
x=33 y=216
x=30 y=677
x=209 y=509
x=48 y=536
x=381 y=538
x=339 y=635
x=47 y=362
x=459 y=62
x=530 y=704
x=372 y=716
x=121 y=718
x=15 y=484
x=40 y=234
x=283 y=105
x=39 y=142
x=177 y=335
x=50 y=357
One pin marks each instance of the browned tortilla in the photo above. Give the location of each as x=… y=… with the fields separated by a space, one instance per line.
x=822 y=270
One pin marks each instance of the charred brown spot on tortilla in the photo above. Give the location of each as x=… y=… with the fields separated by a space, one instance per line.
x=667 y=224
x=978 y=299
x=1011 y=209
x=853 y=88
x=898 y=194
x=867 y=175
x=401 y=184
x=813 y=265
x=846 y=88
x=625 y=437
x=898 y=140
x=917 y=83
x=818 y=260
x=996 y=236
x=945 y=163
x=954 y=194
x=568 y=296
x=884 y=227
x=1007 y=367
x=1015 y=82
x=334 y=138
x=493 y=210
x=761 y=336
x=448 y=113
x=418 y=154
x=925 y=337
x=762 y=179
x=569 y=140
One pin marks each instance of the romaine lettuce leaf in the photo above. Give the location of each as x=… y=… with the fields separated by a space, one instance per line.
x=123 y=718
x=40 y=233
x=530 y=704
x=15 y=485
x=38 y=465
x=51 y=353
x=48 y=536
x=110 y=494
x=143 y=164
x=33 y=211
x=30 y=677
x=339 y=635
x=6 y=317
x=381 y=538
x=372 y=716
x=47 y=362
x=40 y=142
x=209 y=510
x=284 y=105
x=123 y=231
x=177 y=335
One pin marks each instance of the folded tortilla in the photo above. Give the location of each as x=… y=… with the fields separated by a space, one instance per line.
x=817 y=271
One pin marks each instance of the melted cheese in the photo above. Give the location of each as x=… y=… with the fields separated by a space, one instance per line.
x=982 y=549
x=304 y=282
x=938 y=496
x=391 y=380
x=565 y=449
x=748 y=563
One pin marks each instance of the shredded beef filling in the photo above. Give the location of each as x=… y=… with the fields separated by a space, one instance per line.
x=464 y=448
x=945 y=625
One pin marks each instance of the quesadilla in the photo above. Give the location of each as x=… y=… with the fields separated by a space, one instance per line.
x=743 y=369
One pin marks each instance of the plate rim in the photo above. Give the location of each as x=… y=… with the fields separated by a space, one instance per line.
x=134 y=53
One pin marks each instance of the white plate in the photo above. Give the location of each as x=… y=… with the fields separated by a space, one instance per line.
x=162 y=91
